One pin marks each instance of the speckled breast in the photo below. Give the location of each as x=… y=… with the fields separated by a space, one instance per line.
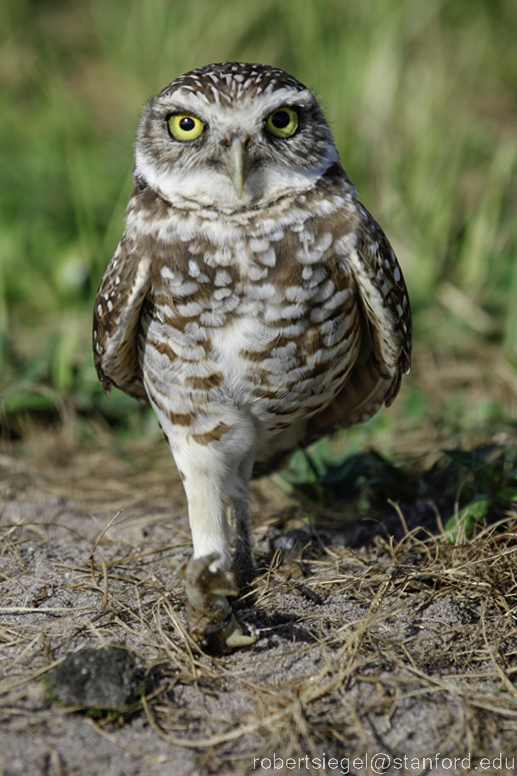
x=270 y=325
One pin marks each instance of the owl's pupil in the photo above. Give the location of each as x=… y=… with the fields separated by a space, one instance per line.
x=280 y=119
x=187 y=124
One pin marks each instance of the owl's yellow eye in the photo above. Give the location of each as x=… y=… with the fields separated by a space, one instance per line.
x=183 y=126
x=283 y=122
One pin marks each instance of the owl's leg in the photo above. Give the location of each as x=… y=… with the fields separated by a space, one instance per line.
x=209 y=472
x=243 y=564
x=204 y=479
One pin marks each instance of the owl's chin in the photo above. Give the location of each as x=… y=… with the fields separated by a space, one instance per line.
x=212 y=189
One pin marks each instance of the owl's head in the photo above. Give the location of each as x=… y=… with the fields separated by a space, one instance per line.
x=232 y=135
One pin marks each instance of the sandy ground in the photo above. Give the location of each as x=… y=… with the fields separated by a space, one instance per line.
x=375 y=654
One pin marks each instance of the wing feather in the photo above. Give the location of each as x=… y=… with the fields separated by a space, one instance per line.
x=118 y=305
x=369 y=263
x=385 y=353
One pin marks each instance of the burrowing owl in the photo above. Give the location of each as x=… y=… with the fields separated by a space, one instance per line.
x=252 y=301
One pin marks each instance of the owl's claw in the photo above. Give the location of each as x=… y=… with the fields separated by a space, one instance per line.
x=210 y=615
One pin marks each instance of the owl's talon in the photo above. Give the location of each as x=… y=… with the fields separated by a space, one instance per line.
x=235 y=637
x=210 y=616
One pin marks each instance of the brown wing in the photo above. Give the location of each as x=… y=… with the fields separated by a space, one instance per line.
x=385 y=353
x=385 y=350
x=119 y=300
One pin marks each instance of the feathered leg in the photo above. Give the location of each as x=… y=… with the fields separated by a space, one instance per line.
x=243 y=563
x=212 y=478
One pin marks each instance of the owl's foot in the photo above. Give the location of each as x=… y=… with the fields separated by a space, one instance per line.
x=209 y=613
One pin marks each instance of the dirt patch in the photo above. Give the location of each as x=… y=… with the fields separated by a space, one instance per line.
x=404 y=647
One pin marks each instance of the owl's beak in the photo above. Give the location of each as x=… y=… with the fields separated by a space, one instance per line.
x=237 y=164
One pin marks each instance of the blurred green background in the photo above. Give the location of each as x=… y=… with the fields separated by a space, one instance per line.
x=422 y=97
